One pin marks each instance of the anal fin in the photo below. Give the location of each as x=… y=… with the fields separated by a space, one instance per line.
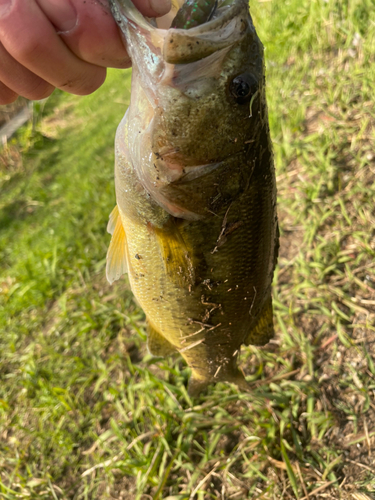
x=198 y=384
x=263 y=330
x=117 y=251
x=157 y=344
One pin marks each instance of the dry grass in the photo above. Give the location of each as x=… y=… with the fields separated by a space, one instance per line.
x=86 y=413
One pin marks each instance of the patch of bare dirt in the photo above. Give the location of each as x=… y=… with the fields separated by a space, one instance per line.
x=11 y=161
x=342 y=355
x=51 y=125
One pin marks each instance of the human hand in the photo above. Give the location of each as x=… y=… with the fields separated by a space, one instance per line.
x=65 y=44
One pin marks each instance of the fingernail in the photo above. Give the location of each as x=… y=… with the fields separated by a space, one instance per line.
x=61 y=13
x=160 y=6
x=5 y=6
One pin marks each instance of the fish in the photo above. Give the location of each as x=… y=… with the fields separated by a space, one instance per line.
x=195 y=222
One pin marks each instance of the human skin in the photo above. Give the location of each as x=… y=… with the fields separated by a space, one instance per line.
x=65 y=44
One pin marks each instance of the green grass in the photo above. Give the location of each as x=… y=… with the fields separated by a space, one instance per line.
x=85 y=412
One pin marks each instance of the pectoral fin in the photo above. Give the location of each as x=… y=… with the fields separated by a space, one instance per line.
x=263 y=330
x=113 y=216
x=157 y=344
x=117 y=251
x=176 y=256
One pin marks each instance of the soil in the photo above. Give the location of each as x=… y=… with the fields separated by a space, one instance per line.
x=338 y=367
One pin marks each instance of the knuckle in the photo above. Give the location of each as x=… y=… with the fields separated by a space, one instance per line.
x=26 y=49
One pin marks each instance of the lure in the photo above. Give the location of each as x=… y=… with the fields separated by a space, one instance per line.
x=194 y=13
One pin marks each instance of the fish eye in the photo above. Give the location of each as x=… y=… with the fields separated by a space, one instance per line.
x=243 y=87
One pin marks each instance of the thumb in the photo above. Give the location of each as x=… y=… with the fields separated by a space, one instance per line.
x=63 y=13
x=90 y=31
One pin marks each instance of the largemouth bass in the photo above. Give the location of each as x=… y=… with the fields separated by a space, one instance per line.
x=195 y=224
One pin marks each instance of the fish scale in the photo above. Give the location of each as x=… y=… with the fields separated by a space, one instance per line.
x=195 y=221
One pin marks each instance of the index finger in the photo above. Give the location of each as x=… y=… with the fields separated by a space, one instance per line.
x=41 y=50
x=93 y=34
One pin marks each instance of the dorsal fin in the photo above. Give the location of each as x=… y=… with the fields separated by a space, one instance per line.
x=117 y=251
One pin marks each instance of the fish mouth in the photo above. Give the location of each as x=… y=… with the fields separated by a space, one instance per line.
x=181 y=46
